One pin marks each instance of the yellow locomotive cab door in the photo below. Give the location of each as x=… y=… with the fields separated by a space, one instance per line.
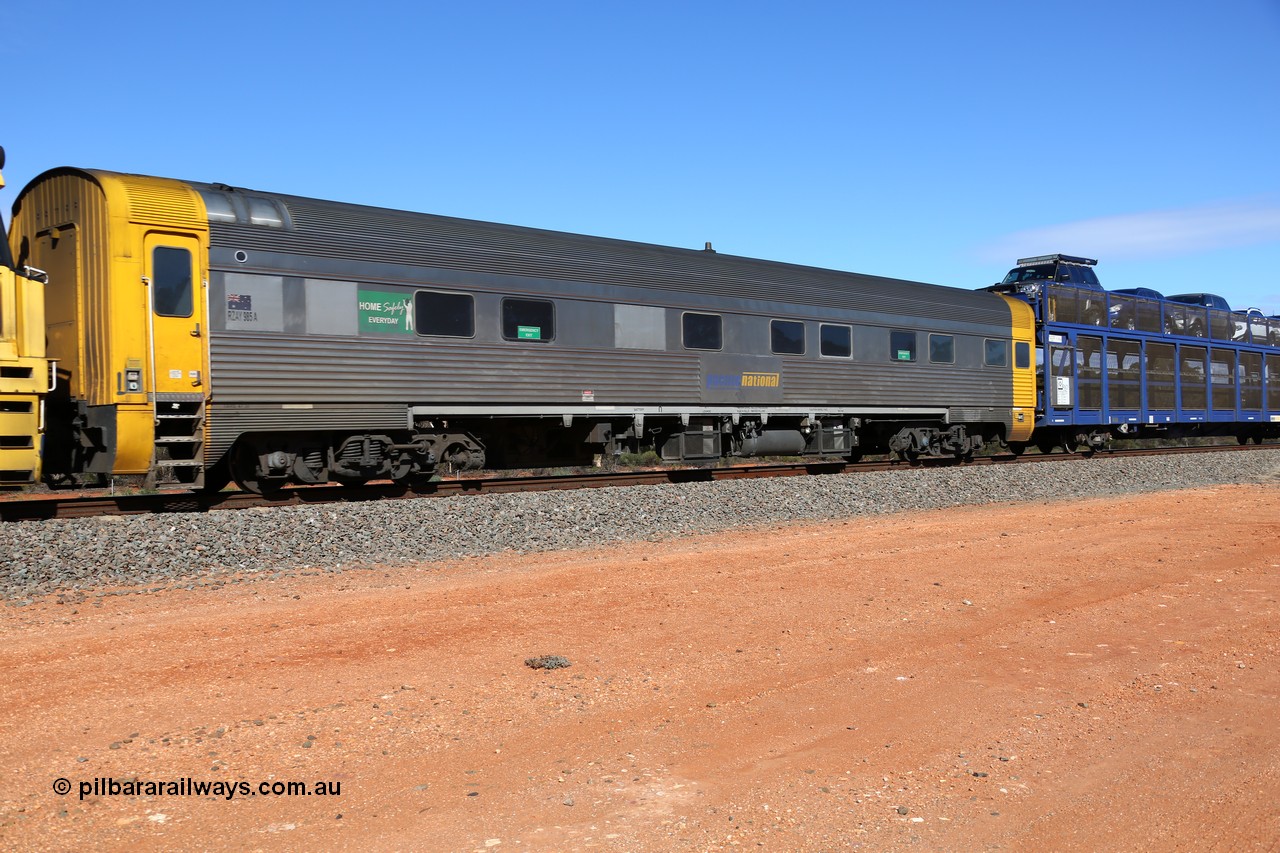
x=177 y=316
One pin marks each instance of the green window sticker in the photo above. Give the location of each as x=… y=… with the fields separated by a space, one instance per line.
x=529 y=333
x=385 y=311
x=904 y=355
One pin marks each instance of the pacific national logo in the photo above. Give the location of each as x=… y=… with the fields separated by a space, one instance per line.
x=761 y=380
x=744 y=380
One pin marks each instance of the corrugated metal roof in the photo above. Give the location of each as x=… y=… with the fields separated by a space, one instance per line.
x=335 y=230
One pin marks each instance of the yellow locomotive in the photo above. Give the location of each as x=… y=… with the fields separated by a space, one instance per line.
x=24 y=372
x=125 y=322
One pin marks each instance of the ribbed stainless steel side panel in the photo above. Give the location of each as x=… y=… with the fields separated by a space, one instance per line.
x=227 y=420
x=974 y=413
x=888 y=384
x=324 y=229
x=273 y=368
x=278 y=369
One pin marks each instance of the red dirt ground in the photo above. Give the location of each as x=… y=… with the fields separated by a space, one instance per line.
x=1093 y=675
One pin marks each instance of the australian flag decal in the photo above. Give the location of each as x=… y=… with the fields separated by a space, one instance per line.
x=239 y=302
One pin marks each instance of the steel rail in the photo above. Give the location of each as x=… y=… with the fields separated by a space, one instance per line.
x=54 y=506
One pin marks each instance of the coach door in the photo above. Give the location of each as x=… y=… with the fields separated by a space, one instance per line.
x=178 y=332
x=177 y=316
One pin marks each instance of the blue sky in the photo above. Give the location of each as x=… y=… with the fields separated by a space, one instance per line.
x=935 y=141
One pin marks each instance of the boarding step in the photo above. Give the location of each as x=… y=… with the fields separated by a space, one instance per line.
x=176 y=474
x=178 y=439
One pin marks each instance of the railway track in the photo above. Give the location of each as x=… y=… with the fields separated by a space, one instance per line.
x=81 y=505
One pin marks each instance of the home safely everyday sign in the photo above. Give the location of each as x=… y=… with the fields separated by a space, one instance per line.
x=385 y=311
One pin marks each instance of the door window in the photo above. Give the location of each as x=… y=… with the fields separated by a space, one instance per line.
x=171 y=284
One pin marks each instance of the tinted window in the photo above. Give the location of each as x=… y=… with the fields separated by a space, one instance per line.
x=1086 y=275
x=449 y=314
x=701 y=331
x=171 y=292
x=1022 y=355
x=997 y=353
x=786 y=337
x=942 y=349
x=902 y=345
x=835 y=341
x=528 y=320
x=1035 y=273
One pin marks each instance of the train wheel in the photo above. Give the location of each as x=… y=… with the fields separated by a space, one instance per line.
x=217 y=477
x=1046 y=446
x=244 y=470
x=1016 y=448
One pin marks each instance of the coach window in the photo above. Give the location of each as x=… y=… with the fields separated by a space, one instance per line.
x=997 y=353
x=528 y=320
x=450 y=315
x=701 y=331
x=835 y=341
x=902 y=345
x=942 y=349
x=786 y=337
x=1022 y=355
x=171 y=293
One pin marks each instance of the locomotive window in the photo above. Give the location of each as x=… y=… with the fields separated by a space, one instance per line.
x=450 y=315
x=997 y=354
x=835 y=341
x=528 y=320
x=902 y=345
x=701 y=331
x=171 y=293
x=942 y=349
x=787 y=337
x=1022 y=355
